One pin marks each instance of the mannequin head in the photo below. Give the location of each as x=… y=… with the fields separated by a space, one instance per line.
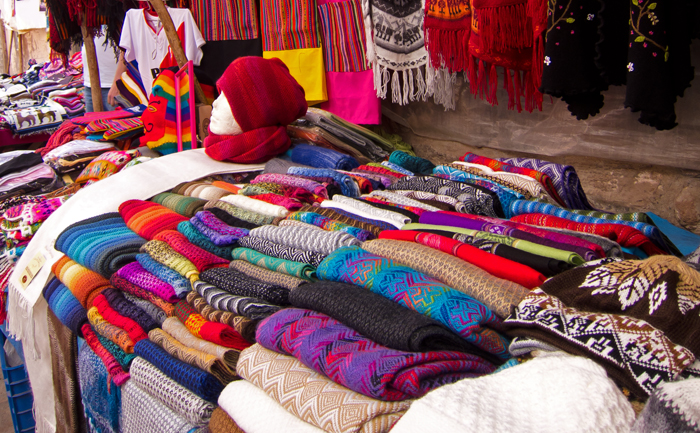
x=222 y=121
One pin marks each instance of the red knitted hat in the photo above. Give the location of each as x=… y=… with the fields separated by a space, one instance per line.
x=262 y=92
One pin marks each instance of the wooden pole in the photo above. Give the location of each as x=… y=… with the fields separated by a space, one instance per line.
x=92 y=66
x=175 y=44
x=3 y=48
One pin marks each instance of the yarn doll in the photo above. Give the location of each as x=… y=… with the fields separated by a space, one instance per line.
x=259 y=98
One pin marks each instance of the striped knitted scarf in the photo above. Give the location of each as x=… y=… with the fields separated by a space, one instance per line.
x=246 y=306
x=238 y=283
x=217 y=333
x=244 y=325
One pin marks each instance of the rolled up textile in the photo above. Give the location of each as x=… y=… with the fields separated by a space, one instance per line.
x=124 y=359
x=283 y=179
x=521 y=207
x=445 y=201
x=329 y=224
x=164 y=254
x=296 y=269
x=281 y=251
x=449 y=219
x=291 y=204
x=185 y=206
x=374 y=211
x=203 y=190
x=294 y=223
x=152 y=310
x=126 y=308
x=181 y=285
x=251 y=204
x=65 y=306
x=544 y=179
x=252 y=217
x=352 y=265
x=497 y=294
x=610 y=247
x=412 y=163
x=244 y=325
x=231 y=220
x=131 y=288
x=200 y=258
x=564 y=178
x=494 y=265
x=371 y=226
x=287 y=380
x=546 y=387
x=135 y=402
x=266 y=275
x=198 y=381
x=463 y=314
x=410 y=212
x=606 y=288
x=216 y=230
x=221 y=422
x=180 y=332
x=102 y=244
x=214 y=332
x=247 y=306
x=368 y=368
x=83 y=283
x=256 y=412
x=115 y=334
x=379 y=169
x=319 y=157
x=524 y=186
x=539 y=314
x=197 y=238
x=319 y=241
x=403 y=200
x=506 y=194
x=624 y=235
x=523 y=245
x=148 y=219
x=238 y=283
x=348 y=187
x=136 y=333
x=397 y=168
x=115 y=371
x=181 y=400
x=205 y=361
x=545 y=265
x=477 y=200
x=378 y=318
x=294 y=192
x=136 y=274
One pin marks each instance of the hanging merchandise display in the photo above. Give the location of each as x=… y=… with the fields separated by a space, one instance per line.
x=144 y=41
x=349 y=78
x=291 y=33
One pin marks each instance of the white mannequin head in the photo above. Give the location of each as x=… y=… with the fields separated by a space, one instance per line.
x=222 y=121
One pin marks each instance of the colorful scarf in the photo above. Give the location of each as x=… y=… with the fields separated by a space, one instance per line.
x=348 y=186
x=101 y=401
x=133 y=330
x=148 y=219
x=180 y=332
x=373 y=227
x=124 y=307
x=83 y=283
x=200 y=258
x=132 y=289
x=307 y=239
x=162 y=253
x=622 y=234
x=180 y=284
x=214 y=332
x=197 y=238
x=496 y=294
x=266 y=275
x=162 y=419
x=114 y=369
x=295 y=269
x=198 y=381
x=378 y=318
x=496 y=266
x=224 y=20
x=136 y=274
x=244 y=325
x=287 y=380
x=368 y=368
x=185 y=206
x=280 y=251
x=229 y=214
x=238 y=283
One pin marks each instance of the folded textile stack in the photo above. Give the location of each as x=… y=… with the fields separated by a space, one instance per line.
x=396 y=297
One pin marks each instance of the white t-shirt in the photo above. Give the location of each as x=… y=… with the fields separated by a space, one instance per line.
x=106 y=60
x=145 y=41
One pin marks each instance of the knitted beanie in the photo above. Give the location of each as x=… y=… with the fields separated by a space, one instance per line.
x=264 y=98
x=262 y=92
x=148 y=219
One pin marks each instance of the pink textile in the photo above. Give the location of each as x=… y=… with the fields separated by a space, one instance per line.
x=351 y=95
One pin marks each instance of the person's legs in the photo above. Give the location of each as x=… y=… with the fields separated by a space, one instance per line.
x=87 y=97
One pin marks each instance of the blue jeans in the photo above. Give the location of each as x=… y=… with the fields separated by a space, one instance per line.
x=87 y=94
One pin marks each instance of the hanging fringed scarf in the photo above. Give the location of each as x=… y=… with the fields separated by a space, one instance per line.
x=396 y=50
x=447 y=28
x=503 y=33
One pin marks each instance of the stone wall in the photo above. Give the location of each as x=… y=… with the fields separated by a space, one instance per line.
x=610 y=185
